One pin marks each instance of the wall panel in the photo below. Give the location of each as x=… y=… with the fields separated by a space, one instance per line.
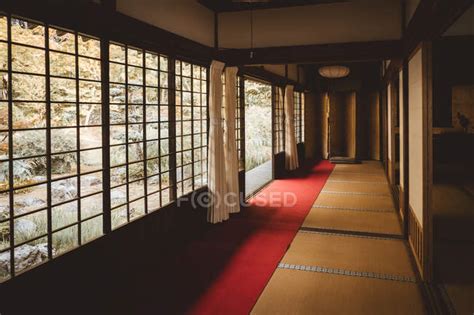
x=402 y=133
x=375 y=20
x=186 y=18
x=342 y=120
x=336 y=119
x=293 y=72
x=374 y=113
x=276 y=69
x=351 y=139
x=389 y=133
x=324 y=110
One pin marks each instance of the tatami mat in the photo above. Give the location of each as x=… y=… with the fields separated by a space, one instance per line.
x=362 y=202
x=366 y=166
x=338 y=263
x=357 y=177
x=349 y=220
x=303 y=292
x=371 y=172
x=357 y=187
x=383 y=256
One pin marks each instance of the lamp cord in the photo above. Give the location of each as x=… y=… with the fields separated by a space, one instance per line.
x=251 y=30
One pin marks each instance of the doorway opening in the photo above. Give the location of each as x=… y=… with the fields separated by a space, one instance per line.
x=258 y=135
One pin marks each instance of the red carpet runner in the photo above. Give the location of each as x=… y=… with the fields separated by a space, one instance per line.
x=253 y=243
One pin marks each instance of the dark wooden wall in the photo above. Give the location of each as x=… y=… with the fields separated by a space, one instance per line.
x=453 y=64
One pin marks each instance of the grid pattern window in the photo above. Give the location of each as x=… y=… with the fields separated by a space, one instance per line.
x=191 y=127
x=297 y=114
x=239 y=126
x=50 y=143
x=279 y=124
x=139 y=133
x=238 y=120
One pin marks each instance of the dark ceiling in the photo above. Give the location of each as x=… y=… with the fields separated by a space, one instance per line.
x=241 y=5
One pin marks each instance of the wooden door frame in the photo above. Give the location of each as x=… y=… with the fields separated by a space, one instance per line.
x=392 y=159
x=427 y=61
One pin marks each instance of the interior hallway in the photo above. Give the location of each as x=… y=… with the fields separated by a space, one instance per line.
x=349 y=255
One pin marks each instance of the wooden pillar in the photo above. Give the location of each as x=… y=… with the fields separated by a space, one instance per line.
x=428 y=160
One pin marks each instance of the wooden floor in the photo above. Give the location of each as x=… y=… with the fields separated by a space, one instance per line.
x=349 y=256
x=258 y=177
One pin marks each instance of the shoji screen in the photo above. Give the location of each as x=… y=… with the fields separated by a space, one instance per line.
x=415 y=136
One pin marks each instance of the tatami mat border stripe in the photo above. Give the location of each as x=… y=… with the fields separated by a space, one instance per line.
x=357 y=173
x=354 y=193
x=355 y=181
x=343 y=272
x=352 y=209
x=350 y=232
x=349 y=235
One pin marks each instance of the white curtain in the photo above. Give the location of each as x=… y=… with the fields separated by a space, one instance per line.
x=217 y=211
x=291 y=153
x=230 y=146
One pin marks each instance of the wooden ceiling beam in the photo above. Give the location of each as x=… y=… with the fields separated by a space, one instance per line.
x=244 y=5
x=431 y=19
x=343 y=52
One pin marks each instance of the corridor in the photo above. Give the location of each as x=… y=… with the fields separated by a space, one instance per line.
x=176 y=157
x=349 y=255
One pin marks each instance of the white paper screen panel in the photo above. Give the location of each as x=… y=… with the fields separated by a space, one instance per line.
x=401 y=125
x=415 y=134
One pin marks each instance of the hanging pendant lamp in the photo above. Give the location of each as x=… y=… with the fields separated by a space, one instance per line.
x=334 y=72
